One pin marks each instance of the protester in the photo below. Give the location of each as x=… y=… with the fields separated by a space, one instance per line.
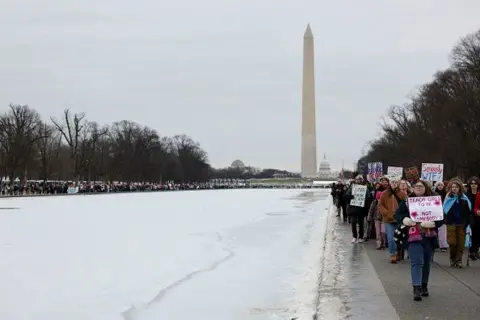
x=357 y=214
x=476 y=223
x=421 y=241
x=375 y=217
x=472 y=193
x=442 y=231
x=338 y=193
x=405 y=187
x=457 y=208
x=387 y=206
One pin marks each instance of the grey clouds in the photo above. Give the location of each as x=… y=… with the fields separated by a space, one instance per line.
x=228 y=72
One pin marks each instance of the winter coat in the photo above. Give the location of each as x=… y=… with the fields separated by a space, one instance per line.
x=388 y=205
x=458 y=210
x=354 y=210
x=476 y=207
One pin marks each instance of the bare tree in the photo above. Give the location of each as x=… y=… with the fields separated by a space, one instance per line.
x=18 y=128
x=48 y=146
x=74 y=148
x=439 y=123
x=71 y=129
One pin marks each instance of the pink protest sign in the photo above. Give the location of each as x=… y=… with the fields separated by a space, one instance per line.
x=425 y=208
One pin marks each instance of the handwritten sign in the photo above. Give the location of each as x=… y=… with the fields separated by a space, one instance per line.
x=359 y=193
x=412 y=174
x=395 y=172
x=432 y=171
x=425 y=208
x=375 y=171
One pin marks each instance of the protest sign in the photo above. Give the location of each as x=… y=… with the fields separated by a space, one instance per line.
x=72 y=190
x=432 y=171
x=412 y=174
x=425 y=208
x=359 y=193
x=375 y=171
x=395 y=172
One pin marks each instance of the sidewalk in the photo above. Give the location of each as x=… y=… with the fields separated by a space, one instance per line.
x=348 y=286
x=454 y=293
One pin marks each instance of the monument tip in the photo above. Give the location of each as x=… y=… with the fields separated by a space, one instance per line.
x=308 y=32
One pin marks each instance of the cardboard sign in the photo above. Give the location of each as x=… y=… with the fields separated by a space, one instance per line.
x=426 y=208
x=432 y=171
x=412 y=174
x=359 y=193
x=395 y=172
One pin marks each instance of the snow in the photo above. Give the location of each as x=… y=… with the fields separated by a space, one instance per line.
x=224 y=254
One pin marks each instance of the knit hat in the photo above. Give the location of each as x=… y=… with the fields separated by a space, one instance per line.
x=384 y=178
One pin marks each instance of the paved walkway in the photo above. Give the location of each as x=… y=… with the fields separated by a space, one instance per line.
x=358 y=282
x=349 y=287
x=454 y=293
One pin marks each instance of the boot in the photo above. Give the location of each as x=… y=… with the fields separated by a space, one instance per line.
x=417 y=293
x=399 y=255
x=425 y=292
x=393 y=259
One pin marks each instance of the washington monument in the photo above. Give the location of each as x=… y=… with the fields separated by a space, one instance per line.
x=309 y=132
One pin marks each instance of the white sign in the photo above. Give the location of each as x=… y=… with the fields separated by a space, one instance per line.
x=425 y=208
x=432 y=172
x=395 y=172
x=359 y=193
x=72 y=190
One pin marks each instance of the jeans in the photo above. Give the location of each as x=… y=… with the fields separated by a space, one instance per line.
x=420 y=254
x=390 y=231
x=361 y=225
x=380 y=233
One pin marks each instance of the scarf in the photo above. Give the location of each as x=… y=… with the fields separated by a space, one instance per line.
x=450 y=201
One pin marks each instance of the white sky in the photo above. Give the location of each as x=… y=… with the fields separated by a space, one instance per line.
x=228 y=72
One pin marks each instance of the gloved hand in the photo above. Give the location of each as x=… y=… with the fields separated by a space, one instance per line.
x=408 y=222
x=427 y=224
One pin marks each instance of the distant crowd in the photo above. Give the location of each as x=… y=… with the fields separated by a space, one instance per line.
x=68 y=187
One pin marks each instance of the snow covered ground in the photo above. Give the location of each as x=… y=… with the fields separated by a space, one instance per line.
x=216 y=255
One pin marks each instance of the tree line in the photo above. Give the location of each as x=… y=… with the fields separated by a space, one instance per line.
x=440 y=123
x=71 y=147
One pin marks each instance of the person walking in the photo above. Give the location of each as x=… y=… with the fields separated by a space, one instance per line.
x=387 y=206
x=442 y=231
x=472 y=194
x=357 y=212
x=421 y=241
x=457 y=209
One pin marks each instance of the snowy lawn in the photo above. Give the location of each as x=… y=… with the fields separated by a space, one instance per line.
x=225 y=254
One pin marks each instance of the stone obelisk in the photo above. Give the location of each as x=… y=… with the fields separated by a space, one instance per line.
x=309 y=132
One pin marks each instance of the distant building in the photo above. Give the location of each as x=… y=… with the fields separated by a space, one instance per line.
x=325 y=170
x=237 y=164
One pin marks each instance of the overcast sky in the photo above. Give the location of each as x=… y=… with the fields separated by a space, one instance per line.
x=228 y=72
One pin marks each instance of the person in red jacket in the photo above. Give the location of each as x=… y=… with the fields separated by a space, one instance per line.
x=476 y=228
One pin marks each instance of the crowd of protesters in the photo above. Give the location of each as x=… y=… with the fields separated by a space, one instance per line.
x=68 y=187
x=386 y=218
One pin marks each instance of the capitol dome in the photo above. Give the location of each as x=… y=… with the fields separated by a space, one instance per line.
x=237 y=164
x=324 y=168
